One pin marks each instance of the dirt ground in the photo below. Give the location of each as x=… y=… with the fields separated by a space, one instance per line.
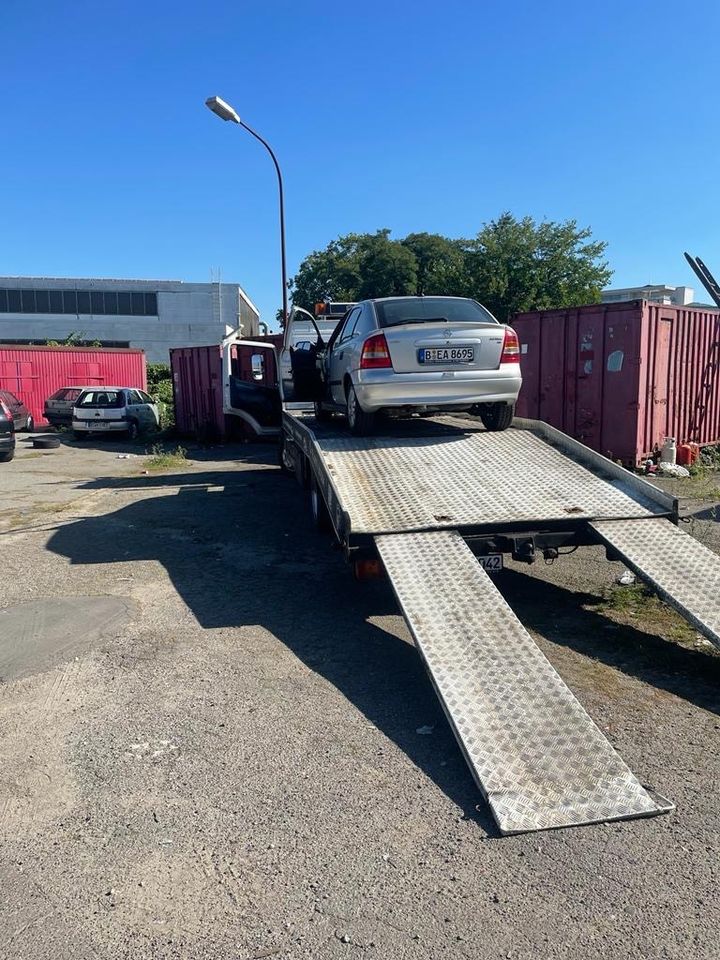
x=210 y=746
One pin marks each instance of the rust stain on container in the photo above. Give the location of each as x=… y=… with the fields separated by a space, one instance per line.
x=621 y=377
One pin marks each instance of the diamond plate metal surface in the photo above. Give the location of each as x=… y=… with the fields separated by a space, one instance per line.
x=463 y=478
x=684 y=572
x=535 y=753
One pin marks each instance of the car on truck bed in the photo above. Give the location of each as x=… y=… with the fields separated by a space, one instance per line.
x=408 y=355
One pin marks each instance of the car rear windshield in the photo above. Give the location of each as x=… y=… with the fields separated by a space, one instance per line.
x=428 y=309
x=101 y=398
x=66 y=393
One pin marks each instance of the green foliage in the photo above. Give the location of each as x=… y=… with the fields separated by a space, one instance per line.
x=158 y=373
x=517 y=265
x=162 y=459
x=73 y=339
x=159 y=380
x=510 y=266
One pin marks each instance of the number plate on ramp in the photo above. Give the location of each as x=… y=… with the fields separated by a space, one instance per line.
x=491 y=563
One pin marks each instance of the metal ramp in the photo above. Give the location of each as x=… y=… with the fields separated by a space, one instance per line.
x=534 y=752
x=683 y=571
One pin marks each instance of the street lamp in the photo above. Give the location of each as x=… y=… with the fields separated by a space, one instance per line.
x=226 y=112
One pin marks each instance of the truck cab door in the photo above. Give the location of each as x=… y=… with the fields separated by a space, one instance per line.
x=251 y=385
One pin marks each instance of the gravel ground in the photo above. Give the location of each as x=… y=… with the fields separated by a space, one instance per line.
x=209 y=746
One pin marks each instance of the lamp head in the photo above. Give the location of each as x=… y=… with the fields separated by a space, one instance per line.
x=222 y=109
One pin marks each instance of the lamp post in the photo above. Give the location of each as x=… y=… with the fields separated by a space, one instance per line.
x=226 y=112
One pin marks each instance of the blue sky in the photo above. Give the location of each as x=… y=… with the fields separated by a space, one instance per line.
x=414 y=116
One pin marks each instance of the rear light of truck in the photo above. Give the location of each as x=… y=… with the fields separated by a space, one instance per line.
x=511 y=347
x=375 y=354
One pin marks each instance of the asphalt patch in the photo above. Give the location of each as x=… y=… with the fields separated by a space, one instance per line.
x=39 y=634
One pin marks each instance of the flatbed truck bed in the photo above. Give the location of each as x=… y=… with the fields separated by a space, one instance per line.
x=433 y=500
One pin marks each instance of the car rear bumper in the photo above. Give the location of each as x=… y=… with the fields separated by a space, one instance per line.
x=7 y=442
x=98 y=426
x=381 y=389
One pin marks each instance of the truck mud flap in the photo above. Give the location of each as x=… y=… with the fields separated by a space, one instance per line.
x=684 y=572
x=535 y=754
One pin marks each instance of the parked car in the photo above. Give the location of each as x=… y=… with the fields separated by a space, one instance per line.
x=7 y=431
x=407 y=355
x=114 y=409
x=20 y=414
x=59 y=406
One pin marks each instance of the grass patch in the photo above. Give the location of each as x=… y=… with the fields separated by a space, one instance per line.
x=161 y=459
x=638 y=606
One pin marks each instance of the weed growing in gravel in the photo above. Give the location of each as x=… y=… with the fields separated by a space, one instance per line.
x=639 y=607
x=162 y=459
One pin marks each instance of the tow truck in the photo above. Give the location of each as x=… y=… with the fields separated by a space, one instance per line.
x=436 y=504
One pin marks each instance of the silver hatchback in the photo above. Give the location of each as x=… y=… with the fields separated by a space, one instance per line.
x=123 y=410
x=405 y=355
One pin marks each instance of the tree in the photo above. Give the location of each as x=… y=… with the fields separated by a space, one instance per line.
x=511 y=266
x=385 y=267
x=440 y=264
x=517 y=265
x=73 y=339
x=354 y=267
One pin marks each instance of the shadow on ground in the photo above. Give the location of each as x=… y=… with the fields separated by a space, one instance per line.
x=240 y=549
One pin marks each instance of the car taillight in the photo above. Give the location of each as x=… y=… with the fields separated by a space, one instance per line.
x=511 y=347
x=5 y=411
x=375 y=353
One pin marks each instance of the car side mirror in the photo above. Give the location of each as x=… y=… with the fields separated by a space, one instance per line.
x=257 y=365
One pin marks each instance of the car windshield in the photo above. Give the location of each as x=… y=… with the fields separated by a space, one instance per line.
x=428 y=309
x=101 y=398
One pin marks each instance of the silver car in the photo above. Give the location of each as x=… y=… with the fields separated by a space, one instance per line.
x=405 y=355
x=123 y=410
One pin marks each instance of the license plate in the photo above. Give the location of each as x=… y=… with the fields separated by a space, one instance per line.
x=97 y=424
x=491 y=563
x=446 y=354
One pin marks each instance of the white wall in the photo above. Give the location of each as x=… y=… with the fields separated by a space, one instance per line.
x=189 y=314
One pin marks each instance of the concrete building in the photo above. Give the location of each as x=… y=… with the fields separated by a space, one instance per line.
x=151 y=314
x=656 y=292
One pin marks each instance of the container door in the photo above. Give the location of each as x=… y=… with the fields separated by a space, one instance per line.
x=589 y=365
x=660 y=393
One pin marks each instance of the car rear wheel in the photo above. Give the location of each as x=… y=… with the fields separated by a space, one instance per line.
x=360 y=422
x=133 y=430
x=496 y=416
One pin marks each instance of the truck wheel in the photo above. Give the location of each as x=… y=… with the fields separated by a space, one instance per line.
x=361 y=424
x=496 y=416
x=285 y=462
x=320 y=512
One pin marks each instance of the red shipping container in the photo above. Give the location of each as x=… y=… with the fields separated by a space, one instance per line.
x=621 y=377
x=198 y=387
x=34 y=373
